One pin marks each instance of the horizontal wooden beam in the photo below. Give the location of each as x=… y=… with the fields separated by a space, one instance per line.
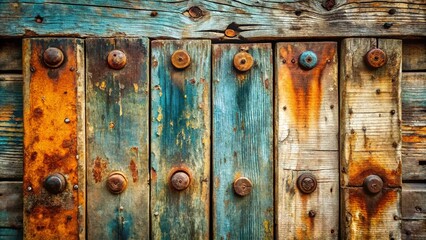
x=245 y=20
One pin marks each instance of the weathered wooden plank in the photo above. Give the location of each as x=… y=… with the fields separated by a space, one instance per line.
x=413 y=201
x=11 y=205
x=370 y=140
x=414 y=55
x=307 y=141
x=11 y=127
x=413 y=230
x=413 y=126
x=10 y=233
x=10 y=54
x=53 y=104
x=117 y=137
x=180 y=140
x=209 y=19
x=243 y=142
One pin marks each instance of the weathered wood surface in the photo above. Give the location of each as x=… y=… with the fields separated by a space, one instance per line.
x=11 y=205
x=414 y=55
x=307 y=123
x=413 y=126
x=117 y=139
x=10 y=54
x=53 y=110
x=180 y=140
x=11 y=127
x=413 y=230
x=209 y=19
x=243 y=142
x=413 y=201
x=10 y=233
x=370 y=139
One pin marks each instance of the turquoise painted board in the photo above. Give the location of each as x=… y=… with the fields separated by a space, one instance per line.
x=117 y=139
x=180 y=140
x=243 y=142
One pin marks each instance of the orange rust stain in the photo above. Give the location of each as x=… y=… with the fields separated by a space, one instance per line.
x=134 y=169
x=153 y=174
x=99 y=168
x=306 y=228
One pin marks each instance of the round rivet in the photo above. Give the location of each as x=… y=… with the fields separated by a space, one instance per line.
x=180 y=59
x=117 y=59
x=308 y=60
x=180 y=180
x=53 y=57
x=243 y=61
x=242 y=186
x=55 y=183
x=376 y=58
x=373 y=184
x=307 y=183
x=230 y=33
x=116 y=182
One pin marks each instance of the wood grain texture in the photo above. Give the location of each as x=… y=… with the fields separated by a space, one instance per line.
x=180 y=140
x=11 y=127
x=307 y=121
x=117 y=139
x=10 y=233
x=243 y=143
x=414 y=55
x=370 y=139
x=413 y=202
x=10 y=54
x=51 y=145
x=413 y=126
x=11 y=205
x=413 y=230
x=250 y=19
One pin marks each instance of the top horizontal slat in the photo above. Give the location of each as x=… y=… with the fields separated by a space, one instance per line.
x=209 y=19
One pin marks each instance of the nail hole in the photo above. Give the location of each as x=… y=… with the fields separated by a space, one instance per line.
x=38 y=19
x=243 y=61
x=422 y=163
x=298 y=12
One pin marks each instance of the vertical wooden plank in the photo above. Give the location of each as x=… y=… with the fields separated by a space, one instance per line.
x=413 y=201
x=11 y=204
x=117 y=139
x=243 y=142
x=307 y=141
x=414 y=55
x=10 y=54
x=53 y=143
x=180 y=138
x=370 y=139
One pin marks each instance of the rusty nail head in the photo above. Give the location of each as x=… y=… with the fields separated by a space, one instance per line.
x=53 y=57
x=307 y=183
x=376 y=58
x=243 y=61
x=230 y=33
x=195 y=12
x=180 y=59
x=117 y=59
x=55 y=183
x=180 y=180
x=373 y=184
x=67 y=120
x=116 y=182
x=243 y=186
x=312 y=213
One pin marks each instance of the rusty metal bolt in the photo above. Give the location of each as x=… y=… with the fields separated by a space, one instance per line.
x=243 y=61
x=180 y=180
x=376 y=58
x=116 y=182
x=308 y=60
x=230 y=33
x=117 y=59
x=53 y=57
x=307 y=183
x=180 y=59
x=373 y=184
x=243 y=186
x=55 y=183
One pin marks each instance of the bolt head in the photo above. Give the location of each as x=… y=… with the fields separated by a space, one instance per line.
x=53 y=57
x=116 y=182
x=180 y=59
x=230 y=33
x=373 y=184
x=312 y=213
x=307 y=183
x=308 y=60
x=243 y=186
x=376 y=58
x=117 y=59
x=180 y=180
x=243 y=61
x=55 y=183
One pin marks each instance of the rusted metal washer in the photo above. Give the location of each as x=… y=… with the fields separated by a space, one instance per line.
x=180 y=180
x=243 y=61
x=308 y=60
x=55 y=183
x=180 y=59
x=243 y=186
x=373 y=184
x=53 y=57
x=117 y=59
x=116 y=182
x=376 y=58
x=307 y=183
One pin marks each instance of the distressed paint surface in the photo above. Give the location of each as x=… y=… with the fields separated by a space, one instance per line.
x=307 y=121
x=180 y=140
x=50 y=144
x=243 y=143
x=117 y=139
x=370 y=139
x=11 y=207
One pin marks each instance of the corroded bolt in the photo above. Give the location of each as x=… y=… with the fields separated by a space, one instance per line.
x=117 y=59
x=116 y=182
x=230 y=33
x=308 y=60
x=53 y=57
x=180 y=59
x=243 y=186
x=307 y=183
x=376 y=58
x=180 y=180
x=243 y=61
x=373 y=184
x=195 y=12
x=55 y=183
x=312 y=213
